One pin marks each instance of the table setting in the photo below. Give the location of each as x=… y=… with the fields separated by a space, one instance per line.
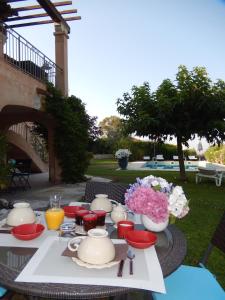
x=102 y=243
x=95 y=258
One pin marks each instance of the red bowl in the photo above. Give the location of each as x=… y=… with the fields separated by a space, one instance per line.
x=70 y=211
x=27 y=232
x=140 y=239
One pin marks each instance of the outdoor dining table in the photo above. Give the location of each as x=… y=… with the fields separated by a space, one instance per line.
x=171 y=249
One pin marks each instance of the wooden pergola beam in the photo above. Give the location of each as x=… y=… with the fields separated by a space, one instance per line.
x=41 y=22
x=53 y=13
x=33 y=7
x=69 y=11
x=12 y=1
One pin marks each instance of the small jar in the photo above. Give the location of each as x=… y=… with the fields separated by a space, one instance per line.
x=79 y=216
x=100 y=217
x=90 y=221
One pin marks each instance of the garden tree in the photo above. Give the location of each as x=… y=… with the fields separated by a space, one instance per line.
x=191 y=106
x=94 y=130
x=111 y=127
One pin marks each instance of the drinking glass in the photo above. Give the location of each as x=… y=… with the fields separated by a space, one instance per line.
x=79 y=216
x=54 y=200
x=55 y=215
x=123 y=227
x=101 y=217
x=90 y=221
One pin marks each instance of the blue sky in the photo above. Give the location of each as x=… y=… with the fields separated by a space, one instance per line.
x=121 y=43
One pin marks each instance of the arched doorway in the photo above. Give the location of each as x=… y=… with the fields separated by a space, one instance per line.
x=14 y=114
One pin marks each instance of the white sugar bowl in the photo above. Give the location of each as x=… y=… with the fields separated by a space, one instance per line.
x=102 y=202
x=21 y=213
x=96 y=248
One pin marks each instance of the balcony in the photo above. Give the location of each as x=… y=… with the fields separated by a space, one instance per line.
x=22 y=55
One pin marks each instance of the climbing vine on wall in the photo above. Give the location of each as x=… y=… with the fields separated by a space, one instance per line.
x=71 y=133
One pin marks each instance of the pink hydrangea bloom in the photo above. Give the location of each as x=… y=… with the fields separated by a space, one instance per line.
x=146 y=201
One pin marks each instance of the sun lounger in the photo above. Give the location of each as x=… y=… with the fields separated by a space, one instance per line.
x=159 y=157
x=146 y=157
x=209 y=173
x=175 y=157
x=192 y=157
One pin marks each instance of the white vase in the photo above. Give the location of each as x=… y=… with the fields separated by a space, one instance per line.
x=152 y=226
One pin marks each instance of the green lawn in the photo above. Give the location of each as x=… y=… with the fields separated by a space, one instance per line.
x=207 y=203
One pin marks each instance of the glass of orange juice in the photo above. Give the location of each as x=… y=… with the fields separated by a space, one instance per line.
x=55 y=215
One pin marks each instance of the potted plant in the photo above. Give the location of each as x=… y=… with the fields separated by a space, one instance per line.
x=157 y=201
x=123 y=155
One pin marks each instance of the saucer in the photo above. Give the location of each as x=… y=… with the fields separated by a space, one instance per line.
x=91 y=266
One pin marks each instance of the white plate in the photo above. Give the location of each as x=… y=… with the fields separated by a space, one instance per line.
x=91 y=266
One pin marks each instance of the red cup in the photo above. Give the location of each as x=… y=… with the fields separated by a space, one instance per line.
x=123 y=227
x=89 y=221
x=101 y=217
x=79 y=216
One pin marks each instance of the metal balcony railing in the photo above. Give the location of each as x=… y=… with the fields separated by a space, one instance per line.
x=23 y=55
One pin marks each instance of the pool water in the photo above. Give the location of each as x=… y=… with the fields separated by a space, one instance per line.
x=170 y=165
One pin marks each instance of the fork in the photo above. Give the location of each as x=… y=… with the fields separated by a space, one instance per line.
x=131 y=256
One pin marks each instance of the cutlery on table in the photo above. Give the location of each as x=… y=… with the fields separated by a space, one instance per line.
x=131 y=256
x=120 y=269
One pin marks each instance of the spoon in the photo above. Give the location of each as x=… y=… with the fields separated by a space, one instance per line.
x=131 y=256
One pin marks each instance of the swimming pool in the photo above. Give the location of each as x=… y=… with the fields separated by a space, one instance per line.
x=170 y=165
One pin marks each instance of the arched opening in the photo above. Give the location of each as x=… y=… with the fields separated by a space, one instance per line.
x=14 y=114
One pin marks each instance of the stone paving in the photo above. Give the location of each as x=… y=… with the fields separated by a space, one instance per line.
x=41 y=189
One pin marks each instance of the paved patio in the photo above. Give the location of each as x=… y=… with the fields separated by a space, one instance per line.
x=41 y=189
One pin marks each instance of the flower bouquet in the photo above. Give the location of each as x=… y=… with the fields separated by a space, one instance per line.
x=122 y=155
x=156 y=200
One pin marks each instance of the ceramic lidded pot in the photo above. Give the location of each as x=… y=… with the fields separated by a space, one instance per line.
x=118 y=213
x=96 y=248
x=102 y=202
x=21 y=213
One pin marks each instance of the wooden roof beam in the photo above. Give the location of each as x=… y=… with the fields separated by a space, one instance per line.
x=32 y=7
x=69 y=11
x=53 y=13
x=41 y=22
x=12 y=1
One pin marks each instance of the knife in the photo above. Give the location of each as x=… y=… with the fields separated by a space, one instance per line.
x=120 y=269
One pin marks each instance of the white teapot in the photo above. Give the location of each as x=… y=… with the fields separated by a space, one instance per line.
x=118 y=213
x=21 y=213
x=96 y=248
x=102 y=202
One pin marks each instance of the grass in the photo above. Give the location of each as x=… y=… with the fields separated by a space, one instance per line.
x=207 y=204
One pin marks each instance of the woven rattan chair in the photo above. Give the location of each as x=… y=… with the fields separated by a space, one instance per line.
x=196 y=283
x=114 y=191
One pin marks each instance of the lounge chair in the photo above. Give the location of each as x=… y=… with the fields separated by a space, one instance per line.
x=159 y=157
x=146 y=157
x=175 y=157
x=209 y=173
x=192 y=157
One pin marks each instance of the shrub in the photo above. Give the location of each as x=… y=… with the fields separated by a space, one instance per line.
x=216 y=154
